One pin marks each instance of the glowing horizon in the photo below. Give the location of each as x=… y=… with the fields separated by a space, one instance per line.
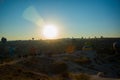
x=22 y=20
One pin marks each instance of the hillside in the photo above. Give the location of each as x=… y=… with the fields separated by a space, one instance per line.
x=53 y=60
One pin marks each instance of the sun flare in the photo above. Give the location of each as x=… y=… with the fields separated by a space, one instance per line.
x=50 y=31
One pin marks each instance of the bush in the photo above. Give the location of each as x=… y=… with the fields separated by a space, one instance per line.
x=58 y=67
x=82 y=60
x=80 y=76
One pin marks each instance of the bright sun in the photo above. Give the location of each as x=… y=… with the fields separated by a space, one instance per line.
x=50 y=31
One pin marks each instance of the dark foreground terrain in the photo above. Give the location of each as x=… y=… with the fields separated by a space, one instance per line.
x=63 y=59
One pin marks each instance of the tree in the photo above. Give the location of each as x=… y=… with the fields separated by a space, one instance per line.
x=101 y=37
x=82 y=38
x=3 y=40
x=116 y=46
x=32 y=38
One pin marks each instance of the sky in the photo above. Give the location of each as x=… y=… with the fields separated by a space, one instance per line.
x=24 y=19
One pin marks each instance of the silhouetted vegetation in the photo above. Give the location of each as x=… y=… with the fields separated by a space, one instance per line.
x=39 y=57
x=3 y=40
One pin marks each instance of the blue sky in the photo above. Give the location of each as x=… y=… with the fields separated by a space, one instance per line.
x=74 y=18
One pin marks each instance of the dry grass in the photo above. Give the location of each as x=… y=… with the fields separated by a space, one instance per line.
x=71 y=76
x=82 y=60
x=58 y=67
x=80 y=76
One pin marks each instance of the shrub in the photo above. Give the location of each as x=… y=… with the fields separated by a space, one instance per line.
x=58 y=67
x=82 y=60
x=80 y=76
